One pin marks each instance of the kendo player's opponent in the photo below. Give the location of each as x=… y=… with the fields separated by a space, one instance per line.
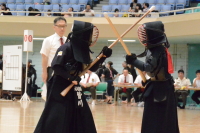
x=70 y=114
x=160 y=112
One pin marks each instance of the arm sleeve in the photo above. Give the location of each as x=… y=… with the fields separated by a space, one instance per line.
x=120 y=79
x=35 y=76
x=115 y=72
x=189 y=83
x=130 y=79
x=97 y=80
x=45 y=47
x=148 y=66
x=58 y=64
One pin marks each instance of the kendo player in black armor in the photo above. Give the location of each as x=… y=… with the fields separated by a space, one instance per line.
x=70 y=114
x=160 y=112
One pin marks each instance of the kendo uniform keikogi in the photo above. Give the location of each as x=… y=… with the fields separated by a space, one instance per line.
x=70 y=114
x=160 y=112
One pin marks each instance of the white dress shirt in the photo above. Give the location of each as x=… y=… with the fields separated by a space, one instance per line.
x=197 y=83
x=129 y=79
x=183 y=82
x=89 y=14
x=93 y=78
x=138 y=79
x=50 y=46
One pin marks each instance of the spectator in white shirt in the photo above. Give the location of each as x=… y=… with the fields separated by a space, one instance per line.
x=88 y=11
x=125 y=79
x=181 y=81
x=196 y=84
x=139 y=90
x=88 y=82
x=50 y=46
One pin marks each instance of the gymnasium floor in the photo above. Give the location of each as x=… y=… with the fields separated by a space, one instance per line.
x=16 y=117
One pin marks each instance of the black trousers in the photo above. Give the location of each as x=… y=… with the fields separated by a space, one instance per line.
x=183 y=94
x=128 y=93
x=49 y=75
x=92 y=90
x=195 y=97
x=136 y=94
x=110 y=88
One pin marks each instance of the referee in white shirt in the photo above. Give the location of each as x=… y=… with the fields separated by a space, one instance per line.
x=125 y=79
x=88 y=82
x=50 y=46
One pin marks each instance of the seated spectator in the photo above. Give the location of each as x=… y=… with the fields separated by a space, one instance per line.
x=68 y=14
x=88 y=82
x=131 y=11
x=4 y=9
x=132 y=5
x=49 y=14
x=138 y=9
x=31 y=9
x=116 y=14
x=139 y=90
x=196 y=84
x=181 y=81
x=145 y=7
x=88 y=11
x=125 y=79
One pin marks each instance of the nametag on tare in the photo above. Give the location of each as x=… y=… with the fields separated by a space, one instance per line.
x=78 y=96
x=60 y=53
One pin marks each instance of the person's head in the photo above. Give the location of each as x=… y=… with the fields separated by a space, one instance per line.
x=29 y=62
x=109 y=64
x=49 y=13
x=124 y=64
x=3 y=6
x=138 y=6
x=198 y=74
x=1 y=56
x=71 y=9
x=88 y=7
x=60 y=25
x=134 y=1
x=30 y=8
x=181 y=74
x=116 y=10
x=89 y=72
x=125 y=72
x=146 y=5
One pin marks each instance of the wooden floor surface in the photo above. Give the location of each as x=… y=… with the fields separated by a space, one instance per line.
x=16 y=117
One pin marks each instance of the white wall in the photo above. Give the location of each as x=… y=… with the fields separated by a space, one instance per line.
x=117 y=56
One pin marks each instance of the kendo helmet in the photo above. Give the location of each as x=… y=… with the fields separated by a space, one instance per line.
x=83 y=35
x=152 y=34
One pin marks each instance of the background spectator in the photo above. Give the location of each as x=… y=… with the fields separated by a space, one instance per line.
x=132 y=5
x=196 y=84
x=125 y=79
x=4 y=9
x=116 y=14
x=33 y=12
x=49 y=14
x=89 y=82
x=88 y=11
x=138 y=9
x=181 y=81
x=109 y=74
x=68 y=14
x=145 y=7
